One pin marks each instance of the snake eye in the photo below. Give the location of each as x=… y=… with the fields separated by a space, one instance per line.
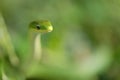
x=38 y=27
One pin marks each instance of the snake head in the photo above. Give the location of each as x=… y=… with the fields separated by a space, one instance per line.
x=41 y=26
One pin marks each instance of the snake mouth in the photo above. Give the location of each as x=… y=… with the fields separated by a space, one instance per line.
x=50 y=28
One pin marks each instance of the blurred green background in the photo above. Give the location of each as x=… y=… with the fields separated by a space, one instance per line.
x=84 y=44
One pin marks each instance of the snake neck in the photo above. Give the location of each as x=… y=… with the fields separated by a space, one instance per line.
x=35 y=41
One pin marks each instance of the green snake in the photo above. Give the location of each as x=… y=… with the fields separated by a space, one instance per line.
x=36 y=28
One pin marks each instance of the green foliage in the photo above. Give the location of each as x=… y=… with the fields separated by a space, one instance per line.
x=84 y=44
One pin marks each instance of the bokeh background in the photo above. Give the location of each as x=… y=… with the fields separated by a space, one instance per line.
x=84 y=44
